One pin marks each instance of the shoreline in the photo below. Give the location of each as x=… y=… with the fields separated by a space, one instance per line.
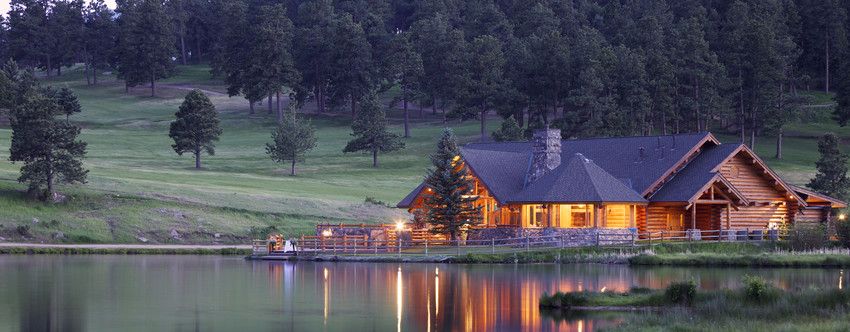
x=682 y=255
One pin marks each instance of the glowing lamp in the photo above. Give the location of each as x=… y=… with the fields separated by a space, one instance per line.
x=842 y=216
x=327 y=233
x=399 y=226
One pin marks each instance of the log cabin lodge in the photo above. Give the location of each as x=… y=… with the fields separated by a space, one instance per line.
x=673 y=183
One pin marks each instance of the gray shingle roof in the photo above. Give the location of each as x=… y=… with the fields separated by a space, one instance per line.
x=693 y=177
x=502 y=167
x=579 y=180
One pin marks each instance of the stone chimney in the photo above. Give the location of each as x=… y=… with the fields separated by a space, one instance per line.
x=545 y=153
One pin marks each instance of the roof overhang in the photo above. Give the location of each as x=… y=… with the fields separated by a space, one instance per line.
x=834 y=202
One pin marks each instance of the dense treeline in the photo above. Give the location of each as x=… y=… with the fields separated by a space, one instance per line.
x=589 y=67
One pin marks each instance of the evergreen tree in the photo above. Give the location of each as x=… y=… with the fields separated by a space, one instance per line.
x=484 y=85
x=370 y=131
x=660 y=75
x=292 y=139
x=699 y=75
x=841 y=113
x=269 y=66
x=145 y=43
x=48 y=148
x=406 y=66
x=313 y=54
x=351 y=70
x=99 y=38
x=824 y=36
x=68 y=103
x=29 y=39
x=65 y=25
x=509 y=132
x=197 y=127
x=4 y=38
x=831 y=178
x=450 y=202
x=442 y=49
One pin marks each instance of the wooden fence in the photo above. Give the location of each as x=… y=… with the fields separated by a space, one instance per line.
x=421 y=242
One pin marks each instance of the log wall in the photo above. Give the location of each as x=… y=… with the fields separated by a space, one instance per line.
x=768 y=204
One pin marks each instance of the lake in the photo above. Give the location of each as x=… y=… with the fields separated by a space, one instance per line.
x=214 y=293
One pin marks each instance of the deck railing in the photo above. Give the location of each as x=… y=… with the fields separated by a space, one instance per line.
x=427 y=245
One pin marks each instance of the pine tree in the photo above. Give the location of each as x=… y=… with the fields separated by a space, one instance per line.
x=65 y=24
x=313 y=54
x=450 y=202
x=269 y=66
x=406 y=68
x=370 y=131
x=29 y=40
x=831 y=178
x=509 y=132
x=351 y=67
x=841 y=112
x=196 y=128
x=99 y=38
x=484 y=85
x=48 y=148
x=146 y=43
x=68 y=103
x=292 y=139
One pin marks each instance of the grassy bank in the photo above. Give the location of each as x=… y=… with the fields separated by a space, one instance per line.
x=676 y=254
x=139 y=188
x=758 y=306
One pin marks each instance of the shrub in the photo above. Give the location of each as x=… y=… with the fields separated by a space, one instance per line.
x=803 y=237
x=682 y=292
x=375 y=201
x=573 y=299
x=842 y=229
x=757 y=289
x=24 y=230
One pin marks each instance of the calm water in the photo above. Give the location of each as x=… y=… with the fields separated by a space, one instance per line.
x=208 y=293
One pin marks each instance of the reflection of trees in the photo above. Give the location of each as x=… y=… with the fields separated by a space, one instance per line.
x=45 y=302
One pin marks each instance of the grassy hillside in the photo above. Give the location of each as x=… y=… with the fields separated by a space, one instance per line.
x=139 y=188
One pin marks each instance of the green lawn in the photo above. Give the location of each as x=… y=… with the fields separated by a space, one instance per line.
x=135 y=175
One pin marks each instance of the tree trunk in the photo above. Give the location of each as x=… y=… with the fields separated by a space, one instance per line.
x=753 y=139
x=197 y=51
x=198 y=159
x=664 y=123
x=374 y=157
x=279 y=112
x=153 y=87
x=251 y=106
x=183 y=45
x=406 y=118
x=292 y=170
x=826 y=77
x=59 y=69
x=50 y=176
x=126 y=87
x=433 y=105
x=270 y=103
x=94 y=74
x=483 y=125
x=779 y=145
x=86 y=71
x=741 y=102
x=353 y=105
x=49 y=66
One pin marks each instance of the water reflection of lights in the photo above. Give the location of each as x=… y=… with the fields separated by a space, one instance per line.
x=326 y=296
x=841 y=279
x=398 y=297
x=437 y=293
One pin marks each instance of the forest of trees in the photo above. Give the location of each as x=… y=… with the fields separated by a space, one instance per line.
x=589 y=67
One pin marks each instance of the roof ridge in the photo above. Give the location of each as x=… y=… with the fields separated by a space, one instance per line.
x=593 y=138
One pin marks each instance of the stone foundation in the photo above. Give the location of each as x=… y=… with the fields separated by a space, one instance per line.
x=567 y=237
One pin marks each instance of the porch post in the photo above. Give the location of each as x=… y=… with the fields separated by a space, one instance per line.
x=694 y=216
x=595 y=216
x=728 y=216
x=632 y=212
